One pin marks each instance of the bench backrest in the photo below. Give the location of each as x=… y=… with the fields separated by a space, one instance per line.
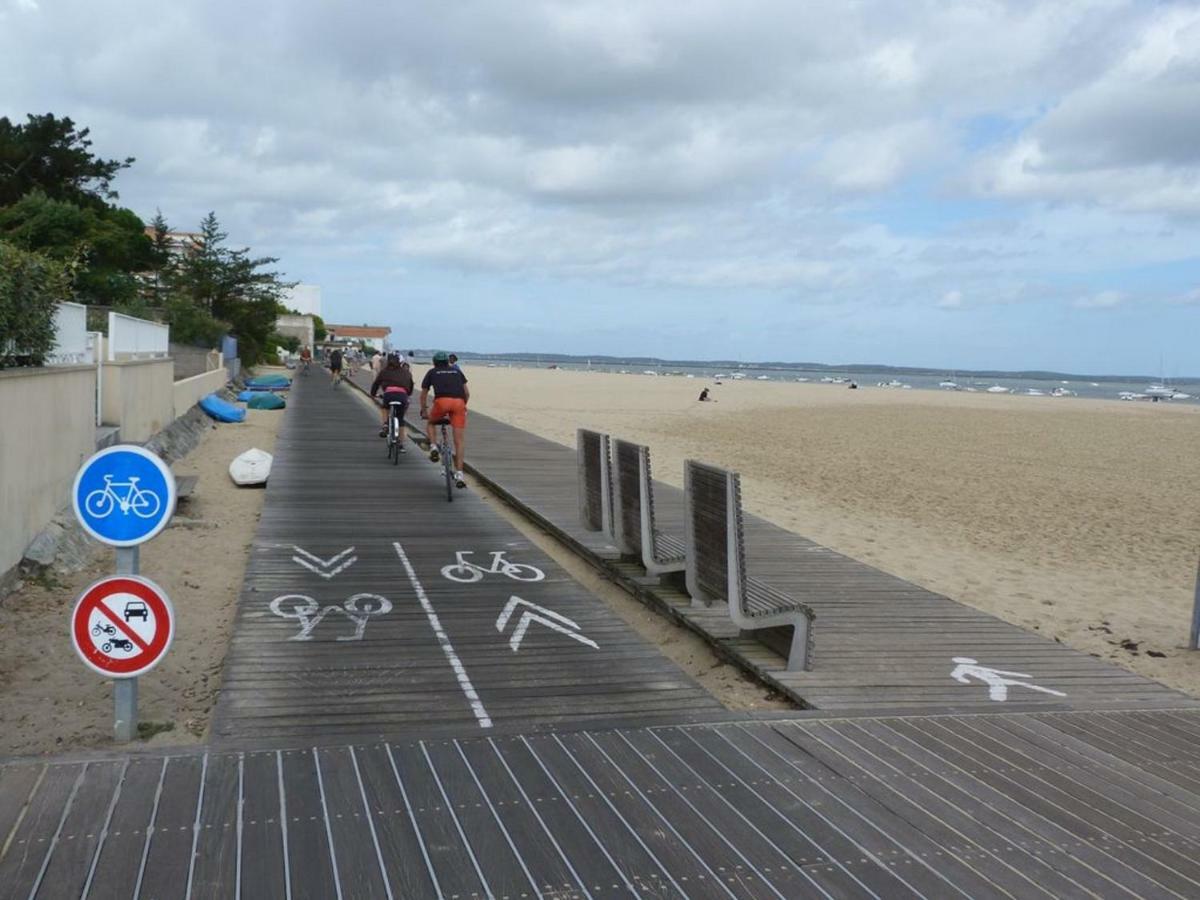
x=595 y=482
x=627 y=499
x=706 y=531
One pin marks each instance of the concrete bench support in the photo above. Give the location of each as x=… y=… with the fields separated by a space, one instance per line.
x=716 y=567
x=595 y=481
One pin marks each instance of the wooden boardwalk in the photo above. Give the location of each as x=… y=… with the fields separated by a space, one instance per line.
x=357 y=620
x=1020 y=806
x=377 y=736
x=880 y=643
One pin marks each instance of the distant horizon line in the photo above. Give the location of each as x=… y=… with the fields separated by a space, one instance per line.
x=858 y=368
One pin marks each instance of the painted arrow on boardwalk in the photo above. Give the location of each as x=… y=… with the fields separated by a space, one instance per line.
x=542 y=616
x=324 y=567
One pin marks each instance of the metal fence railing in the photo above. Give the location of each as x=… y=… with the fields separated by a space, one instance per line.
x=131 y=338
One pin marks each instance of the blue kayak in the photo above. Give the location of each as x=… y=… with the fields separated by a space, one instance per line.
x=222 y=410
x=245 y=395
x=266 y=401
x=269 y=383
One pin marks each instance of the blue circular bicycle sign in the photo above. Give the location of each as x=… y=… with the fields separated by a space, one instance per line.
x=124 y=495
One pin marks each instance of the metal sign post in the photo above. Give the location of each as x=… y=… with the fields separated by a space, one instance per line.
x=124 y=496
x=1194 y=638
x=125 y=690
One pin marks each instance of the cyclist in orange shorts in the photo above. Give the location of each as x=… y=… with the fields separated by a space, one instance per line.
x=451 y=394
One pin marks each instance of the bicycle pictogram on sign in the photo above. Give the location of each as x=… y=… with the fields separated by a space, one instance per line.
x=103 y=502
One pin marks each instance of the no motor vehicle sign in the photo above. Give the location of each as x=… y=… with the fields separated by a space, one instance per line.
x=122 y=626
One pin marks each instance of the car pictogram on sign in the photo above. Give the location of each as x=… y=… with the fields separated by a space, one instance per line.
x=136 y=609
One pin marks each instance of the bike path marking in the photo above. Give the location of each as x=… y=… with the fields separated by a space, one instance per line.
x=534 y=613
x=469 y=572
x=324 y=567
x=152 y=638
x=460 y=672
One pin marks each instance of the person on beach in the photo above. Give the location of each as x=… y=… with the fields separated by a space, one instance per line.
x=449 y=386
x=394 y=383
x=704 y=395
x=454 y=361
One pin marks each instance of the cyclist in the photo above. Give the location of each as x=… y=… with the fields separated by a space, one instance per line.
x=450 y=401
x=395 y=383
x=335 y=365
x=305 y=358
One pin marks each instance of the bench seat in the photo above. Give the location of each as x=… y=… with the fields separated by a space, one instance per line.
x=669 y=549
x=763 y=600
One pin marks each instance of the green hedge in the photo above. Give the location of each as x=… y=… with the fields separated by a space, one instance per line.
x=30 y=286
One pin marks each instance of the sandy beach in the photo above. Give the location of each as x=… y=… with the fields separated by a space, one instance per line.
x=1077 y=518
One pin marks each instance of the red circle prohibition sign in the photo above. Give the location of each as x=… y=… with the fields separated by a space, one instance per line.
x=148 y=652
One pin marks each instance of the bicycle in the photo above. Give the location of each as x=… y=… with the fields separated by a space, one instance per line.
x=446 y=453
x=395 y=437
x=471 y=572
x=103 y=502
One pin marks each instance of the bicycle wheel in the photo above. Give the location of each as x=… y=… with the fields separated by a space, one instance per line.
x=448 y=466
x=99 y=503
x=462 y=573
x=523 y=572
x=146 y=504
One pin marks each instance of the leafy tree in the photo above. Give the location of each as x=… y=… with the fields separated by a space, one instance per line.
x=319 y=332
x=31 y=284
x=49 y=153
x=232 y=286
x=110 y=242
x=162 y=259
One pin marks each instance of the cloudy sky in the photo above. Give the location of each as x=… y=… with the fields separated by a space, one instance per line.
x=958 y=185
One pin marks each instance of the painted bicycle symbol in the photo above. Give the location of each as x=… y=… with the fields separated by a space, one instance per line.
x=465 y=572
x=103 y=502
x=358 y=609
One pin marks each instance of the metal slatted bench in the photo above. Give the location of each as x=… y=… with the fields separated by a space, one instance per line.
x=595 y=480
x=716 y=567
x=636 y=531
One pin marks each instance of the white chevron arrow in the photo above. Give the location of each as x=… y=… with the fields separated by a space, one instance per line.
x=550 y=619
x=323 y=567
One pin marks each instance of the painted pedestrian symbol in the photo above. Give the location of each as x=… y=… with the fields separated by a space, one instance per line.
x=997 y=680
x=326 y=568
x=547 y=617
x=122 y=626
x=124 y=495
x=309 y=613
x=465 y=572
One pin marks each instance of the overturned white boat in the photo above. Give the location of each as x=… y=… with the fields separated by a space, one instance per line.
x=252 y=467
x=997 y=389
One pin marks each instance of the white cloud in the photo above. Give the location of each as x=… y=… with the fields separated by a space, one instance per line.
x=951 y=300
x=1102 y=300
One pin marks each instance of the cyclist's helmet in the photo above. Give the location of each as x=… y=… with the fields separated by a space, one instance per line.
x=441 y=356
x=395 y=357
